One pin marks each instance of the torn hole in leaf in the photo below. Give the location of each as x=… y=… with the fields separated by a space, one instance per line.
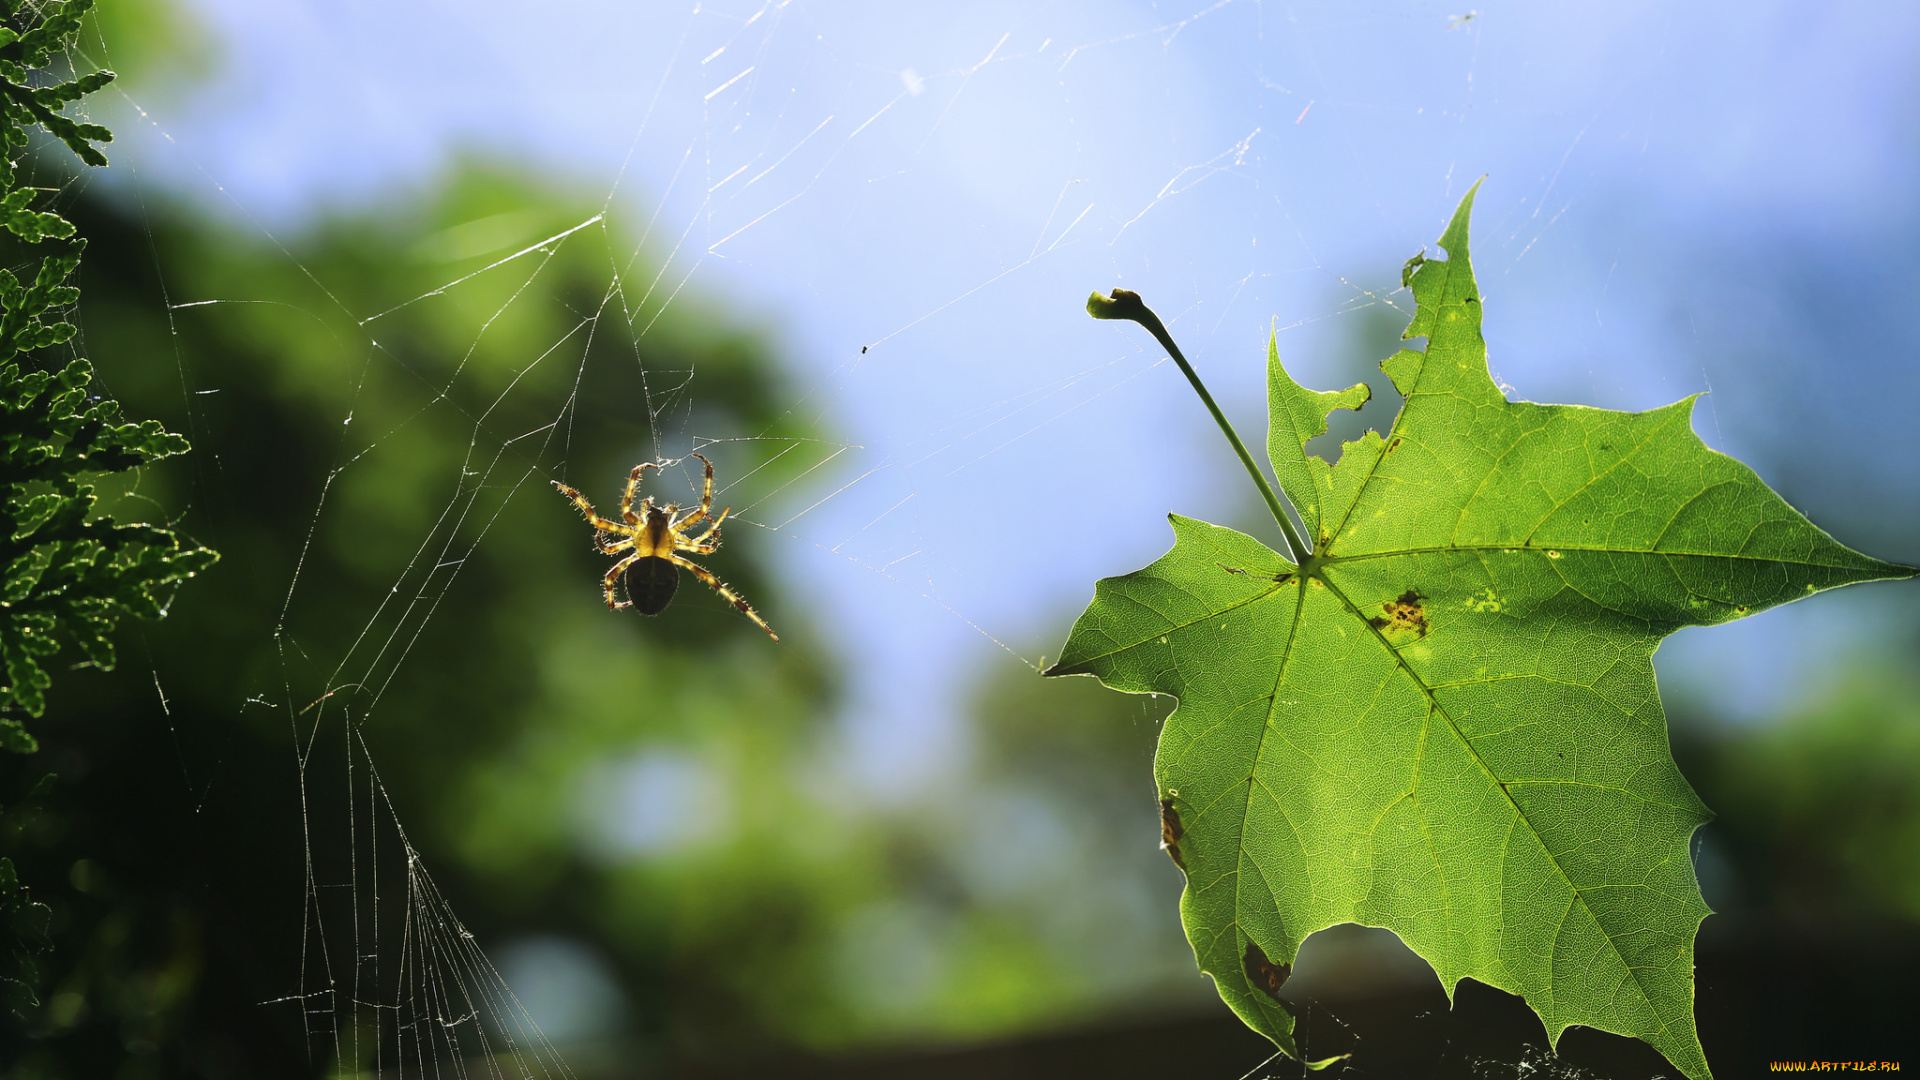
x=1375 y=335
x=1354 y=962
x=1265 y=975
x=1412 y=265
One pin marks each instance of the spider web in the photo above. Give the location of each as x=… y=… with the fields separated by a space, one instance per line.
x=920 y=201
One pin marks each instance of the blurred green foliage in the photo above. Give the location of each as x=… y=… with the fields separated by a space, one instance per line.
x=375 y=431
x=347 y=465
x=1820 y=806
x=155 y=46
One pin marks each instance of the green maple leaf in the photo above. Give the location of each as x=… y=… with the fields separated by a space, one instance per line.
x=1443 y=720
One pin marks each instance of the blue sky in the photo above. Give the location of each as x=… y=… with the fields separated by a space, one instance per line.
x=1680 y=199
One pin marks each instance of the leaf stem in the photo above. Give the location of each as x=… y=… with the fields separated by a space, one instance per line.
x=1124 y=304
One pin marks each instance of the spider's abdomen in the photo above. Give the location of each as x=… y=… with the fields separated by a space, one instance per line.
x=650 y=584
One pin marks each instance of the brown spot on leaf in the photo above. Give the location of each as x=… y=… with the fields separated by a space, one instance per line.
x=1402 y=614
x=1263 y=973
x=1171 y=832
x=1394 y=444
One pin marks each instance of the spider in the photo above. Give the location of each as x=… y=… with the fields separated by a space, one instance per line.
x=653 y=534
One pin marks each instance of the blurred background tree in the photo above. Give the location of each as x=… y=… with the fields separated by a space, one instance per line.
x=178 y=820
x=620 y=808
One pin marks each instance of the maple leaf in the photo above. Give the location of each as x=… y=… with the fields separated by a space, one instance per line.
x=1443 y=720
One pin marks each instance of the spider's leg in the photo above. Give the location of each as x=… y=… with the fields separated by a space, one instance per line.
x=613 y=575
x=706 y=499
x=700 y=545
x=587 y=511
x=633 y=488
x=579 y=501
x=605 y=546
x=727 y=594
